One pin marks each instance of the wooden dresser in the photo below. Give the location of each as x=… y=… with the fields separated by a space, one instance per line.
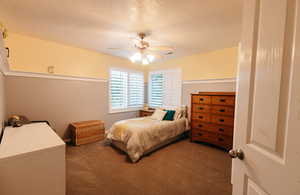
x=212 y=118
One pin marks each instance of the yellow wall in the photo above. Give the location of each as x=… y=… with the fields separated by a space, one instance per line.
x=30 y=54
x=212 y=65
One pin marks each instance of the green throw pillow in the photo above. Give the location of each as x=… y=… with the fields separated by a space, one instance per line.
x=170 y=115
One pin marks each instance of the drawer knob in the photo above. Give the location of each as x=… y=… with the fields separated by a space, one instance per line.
x=222 y=100
x=200 y=108
x=201 y=99
x=222 y=110
x=200 y=125
x=221 y=129
x=220 y=139
x=221 y=120
x=201 y=117
x=200 y=134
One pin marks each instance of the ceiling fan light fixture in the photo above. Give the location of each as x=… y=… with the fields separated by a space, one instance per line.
x=145 y=61
x=132 y=59
x=136 y=57
x=150 y=57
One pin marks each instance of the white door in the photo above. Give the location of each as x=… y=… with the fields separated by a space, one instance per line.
x=268 y=100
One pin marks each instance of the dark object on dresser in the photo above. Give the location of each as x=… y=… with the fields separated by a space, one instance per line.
x=212 y=118
x=17 y=120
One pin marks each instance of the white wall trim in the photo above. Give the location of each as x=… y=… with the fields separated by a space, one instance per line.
x=47 y=76
x=226 y=80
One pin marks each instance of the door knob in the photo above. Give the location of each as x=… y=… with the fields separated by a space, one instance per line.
x=236 y=154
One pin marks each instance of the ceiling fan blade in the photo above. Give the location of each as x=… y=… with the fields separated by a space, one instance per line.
x=134 y=39
x=114 y=48
x=155 y=54
x=120 y=48
x=161 y=48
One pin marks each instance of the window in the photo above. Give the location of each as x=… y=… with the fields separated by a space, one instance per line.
x=165 y=88
x=126 y=89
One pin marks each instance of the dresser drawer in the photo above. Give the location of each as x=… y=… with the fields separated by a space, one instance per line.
x=200 y=99
x=220 y=129
x=209 y=136
x=200 y=125
x=224 y=141
x=201 y=108
x=223 y=100
x=213 y=138
x=201 y=117
x=222 y=110
x=222 y=120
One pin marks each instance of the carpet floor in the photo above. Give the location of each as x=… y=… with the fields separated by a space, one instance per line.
x=179 y=168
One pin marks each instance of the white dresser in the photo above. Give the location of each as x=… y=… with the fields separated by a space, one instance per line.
x=32 y=161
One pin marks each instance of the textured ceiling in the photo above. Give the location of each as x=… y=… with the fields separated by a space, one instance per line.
x=191 y=26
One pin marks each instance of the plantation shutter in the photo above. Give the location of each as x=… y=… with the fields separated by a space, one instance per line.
x=165 y=88
x=156 y=89
x=126 y=89
x=118 y=89
x=136 y=90
x=172 y=89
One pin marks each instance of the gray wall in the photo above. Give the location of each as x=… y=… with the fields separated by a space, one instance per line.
x=207 y=86
x=60 y=101
x=195 y=87
x=63 y=101
x=213 y=86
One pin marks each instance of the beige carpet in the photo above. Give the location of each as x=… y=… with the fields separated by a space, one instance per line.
x=180 y=168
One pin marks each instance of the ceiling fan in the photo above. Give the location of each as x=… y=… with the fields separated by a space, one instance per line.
x=146 y=53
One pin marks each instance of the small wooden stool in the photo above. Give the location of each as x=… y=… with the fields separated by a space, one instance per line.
x=87 y=132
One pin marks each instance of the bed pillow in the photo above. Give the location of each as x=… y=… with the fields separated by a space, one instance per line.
x=158 y=114
x=180 y=112
x=169 y=115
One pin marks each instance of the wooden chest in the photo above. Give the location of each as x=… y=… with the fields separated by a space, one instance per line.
x=87 y=132
x=212 y=118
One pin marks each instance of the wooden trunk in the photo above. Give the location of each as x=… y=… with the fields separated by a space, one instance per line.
x=87 y=132
x=213 y=118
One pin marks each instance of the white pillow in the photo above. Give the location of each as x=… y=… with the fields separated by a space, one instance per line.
x=180 y=112
x=158 y=114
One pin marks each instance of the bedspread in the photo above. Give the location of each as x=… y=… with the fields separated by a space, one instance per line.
x=141 y=134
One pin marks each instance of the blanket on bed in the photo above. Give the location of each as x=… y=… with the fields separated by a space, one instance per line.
x=141 y=134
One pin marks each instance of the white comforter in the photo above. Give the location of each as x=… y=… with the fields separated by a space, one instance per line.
x=141 y=134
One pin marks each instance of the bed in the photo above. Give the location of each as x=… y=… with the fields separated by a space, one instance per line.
x=140 y=136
